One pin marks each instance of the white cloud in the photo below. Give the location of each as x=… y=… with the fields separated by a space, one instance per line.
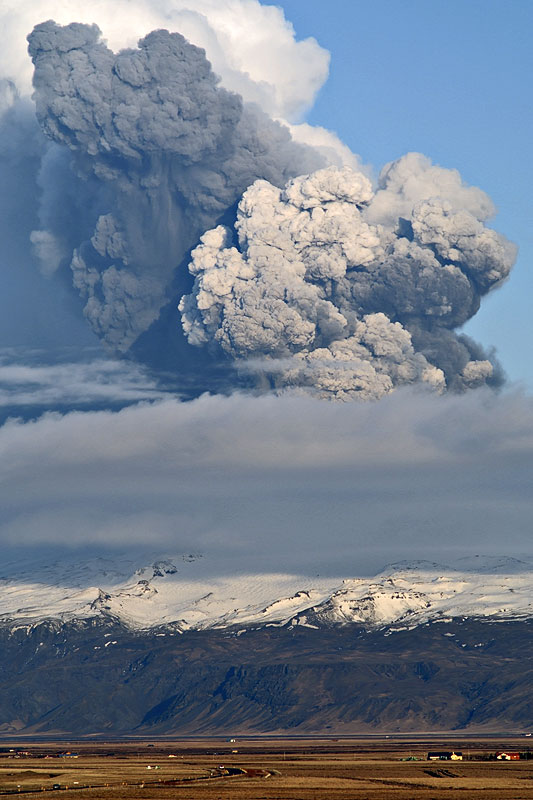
x=71 y=383
x=328 y=144
x=251 y=46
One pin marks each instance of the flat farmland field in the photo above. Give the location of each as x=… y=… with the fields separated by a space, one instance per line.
x=265 y=769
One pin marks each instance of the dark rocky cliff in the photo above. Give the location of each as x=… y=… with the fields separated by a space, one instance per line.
x=99 y=677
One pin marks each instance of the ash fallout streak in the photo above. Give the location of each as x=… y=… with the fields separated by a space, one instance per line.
x=298 y=272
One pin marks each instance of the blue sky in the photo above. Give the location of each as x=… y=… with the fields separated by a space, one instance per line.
x=451 y=79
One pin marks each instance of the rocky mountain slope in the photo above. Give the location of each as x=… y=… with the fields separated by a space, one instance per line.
x=93 y=677
x=113 y=648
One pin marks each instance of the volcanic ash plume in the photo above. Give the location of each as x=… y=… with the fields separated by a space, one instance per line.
x=346 y=292
x=323 y=283
x=147 y=152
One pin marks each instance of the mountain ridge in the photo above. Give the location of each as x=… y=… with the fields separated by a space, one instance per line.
x=186 y=592
x=168 y=647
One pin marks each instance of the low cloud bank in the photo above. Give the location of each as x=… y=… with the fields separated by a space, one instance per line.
x=32 y=382
x=289 y=481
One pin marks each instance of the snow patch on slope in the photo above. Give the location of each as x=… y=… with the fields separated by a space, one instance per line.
x=188 y=592
x=411 y=593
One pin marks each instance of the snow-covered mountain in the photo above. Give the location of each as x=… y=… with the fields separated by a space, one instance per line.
x=188 y=592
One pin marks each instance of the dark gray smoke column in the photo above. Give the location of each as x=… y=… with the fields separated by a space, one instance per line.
x=148 y=153
x=348 y=292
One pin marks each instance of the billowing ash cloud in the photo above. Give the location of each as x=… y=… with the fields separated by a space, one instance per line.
x=147 y=152
x=350 y=292
x=301 y=276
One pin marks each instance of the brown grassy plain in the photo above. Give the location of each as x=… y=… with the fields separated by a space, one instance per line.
x=275 y=769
